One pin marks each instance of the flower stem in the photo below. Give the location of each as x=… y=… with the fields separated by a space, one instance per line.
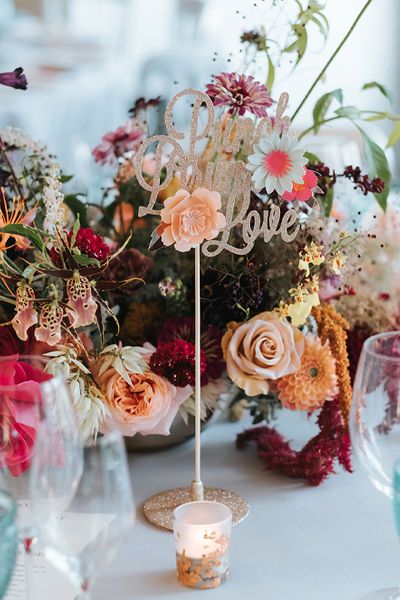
x=12 y=172
x=332 y=58
x=318 y=125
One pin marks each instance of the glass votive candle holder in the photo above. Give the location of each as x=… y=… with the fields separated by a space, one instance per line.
x=202 y=532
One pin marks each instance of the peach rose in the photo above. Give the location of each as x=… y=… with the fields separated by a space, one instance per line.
x=189 y=219
x=265 y=347
x=147 y=406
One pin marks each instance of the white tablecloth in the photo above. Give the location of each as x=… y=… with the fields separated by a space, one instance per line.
x=334 y=542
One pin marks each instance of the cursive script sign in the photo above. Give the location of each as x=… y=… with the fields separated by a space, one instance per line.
x=227 y=136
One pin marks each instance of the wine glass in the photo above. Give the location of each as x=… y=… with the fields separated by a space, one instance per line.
x=29 y=399
x=89 y=531
x=375 y=419
x=8 y=539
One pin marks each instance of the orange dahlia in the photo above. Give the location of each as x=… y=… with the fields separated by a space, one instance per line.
x=314 y=382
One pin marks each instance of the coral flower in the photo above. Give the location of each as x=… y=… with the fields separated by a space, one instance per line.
x=314 y=383
x=15 y=216
x=242 y=93
x=49 y=330
x=25 y=314
x=277 y=164
x=81 y=305
x=265 y=347
x=189 y=219
x=147 y=404
x=303 y=191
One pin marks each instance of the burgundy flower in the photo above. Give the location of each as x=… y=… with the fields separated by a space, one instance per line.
x=363 y=182
x=91 y=244
x=241 y=93
x=11 y=344
x=143 y=104
x=129 y=263
x=316 y=461
x=183 y=328
x=15 y=79
x=175 y=360
x=126 y=138
x=88 y=243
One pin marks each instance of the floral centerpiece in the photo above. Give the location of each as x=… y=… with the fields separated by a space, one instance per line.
x=79 y=284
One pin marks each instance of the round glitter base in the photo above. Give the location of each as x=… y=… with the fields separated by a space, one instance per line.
x=159 y=508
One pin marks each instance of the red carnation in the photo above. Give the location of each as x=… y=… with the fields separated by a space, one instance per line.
x=90 y=244
x=183 y=328
x=176 y=362
x=87 y=242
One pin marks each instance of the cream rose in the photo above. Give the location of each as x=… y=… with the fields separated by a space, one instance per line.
x=265 y=347
x=189 y=219
x=147 y=405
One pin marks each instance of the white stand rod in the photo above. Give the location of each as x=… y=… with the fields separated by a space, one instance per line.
x=197 y=485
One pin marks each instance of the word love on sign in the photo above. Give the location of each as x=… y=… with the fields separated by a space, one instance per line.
x=177 y=152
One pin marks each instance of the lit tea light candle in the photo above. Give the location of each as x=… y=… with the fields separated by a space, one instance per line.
x=202 y=532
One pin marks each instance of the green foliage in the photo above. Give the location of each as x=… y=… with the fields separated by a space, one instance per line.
x=312 y=158
x=383 y=89
x=394 y=137
x=85 y=261
x=348 y=112
x=32 y=234
x=77 y=207
x=378 y=167
x=66 y=178
x=310 y=14
x=322 y=106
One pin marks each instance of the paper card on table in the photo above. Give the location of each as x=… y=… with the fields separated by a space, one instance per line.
x=45 y=578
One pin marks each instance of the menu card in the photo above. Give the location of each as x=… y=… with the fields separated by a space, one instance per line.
x=44 y=577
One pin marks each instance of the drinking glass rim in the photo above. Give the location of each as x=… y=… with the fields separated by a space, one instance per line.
x=58 y=378
x=385 y=334
x=227 y=519
x=11 y=510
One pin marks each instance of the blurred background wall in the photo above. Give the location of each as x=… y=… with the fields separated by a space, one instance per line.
x=87 y=61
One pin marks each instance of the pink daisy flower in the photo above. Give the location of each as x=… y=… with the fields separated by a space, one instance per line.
x=242 y=93
x=277 y=164
x=303 y=191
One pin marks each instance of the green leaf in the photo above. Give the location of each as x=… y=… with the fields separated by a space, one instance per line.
x=300 y=43
x=328 y=201
x=394 y=137
x=378 y=167
x=323 y=104
x=312 y=158
x=323 y=30
x=348 y=112
x=32 y=234
x=271 y=74
x=66 y=178
x=378 y=117
x=78 y=208
x=85 y=261
x=29 y=271
x=383 y=89
x=75 y=229
x=301 y=33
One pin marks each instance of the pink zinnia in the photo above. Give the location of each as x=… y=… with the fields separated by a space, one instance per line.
x=126 y=138
x=241 y=93
x=303 y=191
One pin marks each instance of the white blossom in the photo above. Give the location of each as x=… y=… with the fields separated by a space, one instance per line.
x=88 y=400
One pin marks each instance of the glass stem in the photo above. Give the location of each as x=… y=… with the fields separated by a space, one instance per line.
x=84 y=593
x=28 y=565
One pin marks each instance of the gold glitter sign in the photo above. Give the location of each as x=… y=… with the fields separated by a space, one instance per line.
x=177 y=152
